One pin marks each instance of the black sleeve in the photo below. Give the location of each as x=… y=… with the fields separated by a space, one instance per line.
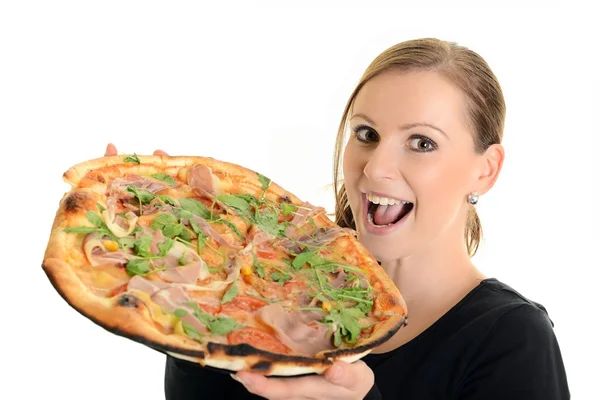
x=188 y=381
x=373 y=394
x=519 y=359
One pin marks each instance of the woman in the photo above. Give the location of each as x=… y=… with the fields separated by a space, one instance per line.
x=426 y=122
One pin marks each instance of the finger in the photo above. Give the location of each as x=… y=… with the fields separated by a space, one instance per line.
x=305 y=387
x=111 y=150
x=160 y=153
x=350 y=376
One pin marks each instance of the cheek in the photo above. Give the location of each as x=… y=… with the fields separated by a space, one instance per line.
x=442 y=183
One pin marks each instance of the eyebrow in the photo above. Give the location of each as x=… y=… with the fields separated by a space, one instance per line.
x=402 y=127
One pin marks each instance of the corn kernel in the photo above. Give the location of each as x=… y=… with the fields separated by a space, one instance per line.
x=110 y=245
x=246 y=270
x=326 y=305
x=249 y=279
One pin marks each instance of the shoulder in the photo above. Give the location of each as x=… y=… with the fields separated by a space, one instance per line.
x=518 y=350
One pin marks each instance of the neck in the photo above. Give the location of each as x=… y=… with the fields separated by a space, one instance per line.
x=442 y=271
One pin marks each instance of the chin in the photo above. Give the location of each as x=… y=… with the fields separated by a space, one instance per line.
x=383 y=250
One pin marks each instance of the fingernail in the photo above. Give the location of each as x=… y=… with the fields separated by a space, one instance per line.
x=239 y=379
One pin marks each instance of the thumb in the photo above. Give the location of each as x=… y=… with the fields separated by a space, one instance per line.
x=348 y=375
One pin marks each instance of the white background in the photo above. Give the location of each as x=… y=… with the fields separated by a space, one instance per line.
x=265 y=88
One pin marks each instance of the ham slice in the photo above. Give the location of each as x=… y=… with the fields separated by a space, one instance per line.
x=203 y=181
x=186 y=273
x=302 y=214
x=97 y=254
x=301 y=333
x=169 y=298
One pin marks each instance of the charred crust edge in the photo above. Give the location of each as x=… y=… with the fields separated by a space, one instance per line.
x=160 y=347
x=246 y=350
x=73 y=201
x=240 y=350
x=359 y=349
x=128 y=300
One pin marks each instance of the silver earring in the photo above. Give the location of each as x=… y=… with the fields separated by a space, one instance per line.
x=473 y=198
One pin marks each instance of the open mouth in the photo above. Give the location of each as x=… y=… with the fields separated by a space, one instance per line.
x=382 y=211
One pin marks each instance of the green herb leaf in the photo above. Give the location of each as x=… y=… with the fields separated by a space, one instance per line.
x=260 y=270
x=217 y=325
x=266 y=182
x=138 y=266
x=144 y=196
x=230 y=293
x=100 y=208
x=268 y=221
x=83 y=229
x=132 y=159
x=280 y=277
x=195 y=207
x=287 y=208
x=94 y=219
x=232 y=226
x=191 y=332
x=166 y=178
x=235 y=202
x=167 y=199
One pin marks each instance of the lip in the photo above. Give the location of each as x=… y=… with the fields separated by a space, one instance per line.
x=384 y=230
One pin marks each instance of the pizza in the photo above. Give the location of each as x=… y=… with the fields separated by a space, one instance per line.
x=212 y=262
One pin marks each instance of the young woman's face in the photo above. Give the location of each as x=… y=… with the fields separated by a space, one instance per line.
x=411 y=151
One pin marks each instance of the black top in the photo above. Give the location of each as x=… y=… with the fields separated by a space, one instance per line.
x=493 y=344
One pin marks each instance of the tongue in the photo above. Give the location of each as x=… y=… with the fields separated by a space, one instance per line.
x=387 y=214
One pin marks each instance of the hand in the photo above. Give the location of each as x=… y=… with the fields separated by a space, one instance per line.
x=111 y=150
x=340 y=381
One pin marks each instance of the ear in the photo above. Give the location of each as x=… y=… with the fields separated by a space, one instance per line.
x=491 y=162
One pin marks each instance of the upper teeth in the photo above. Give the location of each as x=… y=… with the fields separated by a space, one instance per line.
x=384 y=201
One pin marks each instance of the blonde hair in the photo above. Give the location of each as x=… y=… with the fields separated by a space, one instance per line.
x=469 y=72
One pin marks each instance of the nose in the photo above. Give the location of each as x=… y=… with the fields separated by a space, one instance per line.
x=383 y=163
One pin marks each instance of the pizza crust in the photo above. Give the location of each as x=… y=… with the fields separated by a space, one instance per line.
x=128 y=315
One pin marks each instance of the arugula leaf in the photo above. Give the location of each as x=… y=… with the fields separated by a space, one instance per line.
x=236 y=202
x=232 y=226
x=167 y=199
x=260 y=270
x=346 y=321
x=191 y=332
x=217 y=325
x=100 y=208
x=306 y=257
x=163 y=219
x=166 y=178
x=287 y=208
x=268 y=221
x=230 y=293
x=266 y=182
x=83 y=229
x=132 y=159
x=144 y=196
x=195 y=207
x=138 y=266
x=280 y=277
x=95 y=219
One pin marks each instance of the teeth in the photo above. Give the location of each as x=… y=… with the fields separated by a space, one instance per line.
x=384 y=201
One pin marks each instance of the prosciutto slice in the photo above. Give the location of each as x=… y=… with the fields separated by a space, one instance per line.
x=298 y=330
x=98 y=254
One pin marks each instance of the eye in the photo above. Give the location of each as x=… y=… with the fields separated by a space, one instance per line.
x=422 y=144
x=365 y=134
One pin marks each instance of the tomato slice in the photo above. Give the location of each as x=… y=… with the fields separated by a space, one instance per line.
x=209 y=308
x=266 y=253
x=248 y=303
x=258 y=338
